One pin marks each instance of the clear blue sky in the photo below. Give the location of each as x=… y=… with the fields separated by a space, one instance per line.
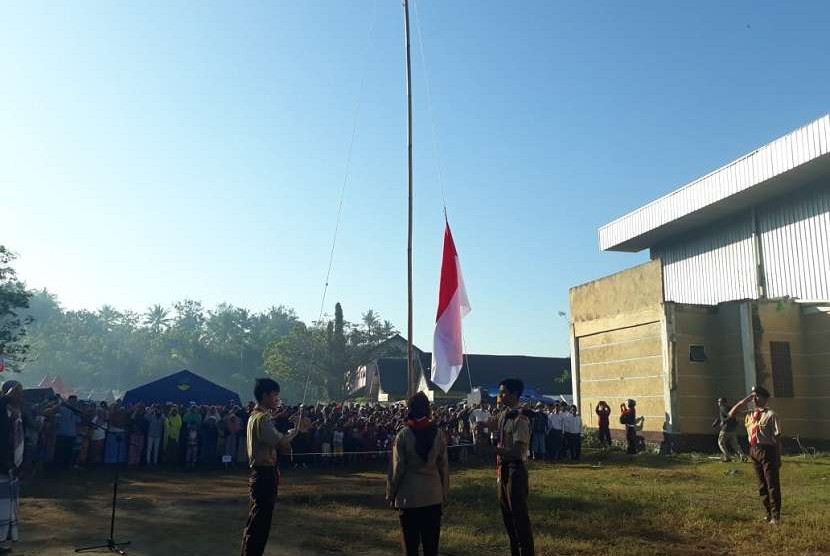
x=155 y=151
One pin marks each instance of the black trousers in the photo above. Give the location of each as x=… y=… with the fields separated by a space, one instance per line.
x=513 y=491
x=263 y=483
x=605 y=436
x=573 y=443
x=766 y=461
x=63 y=451
x=421 y=527
x=555 y=443
x=631 y=438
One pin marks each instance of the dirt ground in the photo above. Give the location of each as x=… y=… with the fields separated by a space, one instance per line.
x=607 y=504
x=162 y=513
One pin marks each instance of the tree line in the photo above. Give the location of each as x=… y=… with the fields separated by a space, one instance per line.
x=112 y=349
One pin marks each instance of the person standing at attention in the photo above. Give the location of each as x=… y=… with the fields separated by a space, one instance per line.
x=418 y=481
x=263 y=439
x=764 y=449
x=573 y=433
x=11 y=457
x=513 y=429
x=556 y=432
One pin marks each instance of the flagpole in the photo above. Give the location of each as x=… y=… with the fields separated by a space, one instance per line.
x=412 y=382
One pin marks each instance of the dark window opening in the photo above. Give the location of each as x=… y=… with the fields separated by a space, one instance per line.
x=697 y=354
x=782 y=369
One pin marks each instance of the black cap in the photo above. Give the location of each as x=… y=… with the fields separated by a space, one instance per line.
x=761 y=391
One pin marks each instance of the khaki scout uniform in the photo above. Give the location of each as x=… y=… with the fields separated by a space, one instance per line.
x=763 y=428
x=513 y=427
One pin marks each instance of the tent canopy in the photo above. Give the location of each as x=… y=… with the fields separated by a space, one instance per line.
x=181 y=388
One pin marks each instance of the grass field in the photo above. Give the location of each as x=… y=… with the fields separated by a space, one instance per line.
x=679 y=505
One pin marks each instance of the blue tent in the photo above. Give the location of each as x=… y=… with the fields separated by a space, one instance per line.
x=181 y=388
x=529 y=395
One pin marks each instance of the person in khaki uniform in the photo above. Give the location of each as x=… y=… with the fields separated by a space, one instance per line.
x=511 y=453
x=764 y=449
x=418 y=481
x=263 y=439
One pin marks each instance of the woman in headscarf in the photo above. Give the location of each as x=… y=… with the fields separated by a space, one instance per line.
x=11 y=457
x=418 y=482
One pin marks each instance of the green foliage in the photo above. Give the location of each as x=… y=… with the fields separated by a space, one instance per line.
x=13 y=299
x=323 y=355
x=111 y=349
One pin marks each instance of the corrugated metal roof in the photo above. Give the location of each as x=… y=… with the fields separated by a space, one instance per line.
x=729 y=188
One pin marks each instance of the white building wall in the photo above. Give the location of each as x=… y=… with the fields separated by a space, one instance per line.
x=719 y=264
x=795 y=237
x=710 y=268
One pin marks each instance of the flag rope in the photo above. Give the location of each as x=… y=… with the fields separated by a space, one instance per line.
x=438 y=163
x=333 y=455
x=355 y=127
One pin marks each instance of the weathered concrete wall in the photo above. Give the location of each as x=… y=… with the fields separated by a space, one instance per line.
x=632 y=296
x=618 y=325
x=621 y=364
x=807 y=412
x=697 y=385
x=628 y=343
x=815 y=375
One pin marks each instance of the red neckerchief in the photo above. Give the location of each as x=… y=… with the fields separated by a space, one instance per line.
x=419 y=424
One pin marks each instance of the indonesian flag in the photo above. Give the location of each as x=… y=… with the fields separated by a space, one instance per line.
x=453 y=305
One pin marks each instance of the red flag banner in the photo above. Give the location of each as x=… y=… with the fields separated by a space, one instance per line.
x=453 y=306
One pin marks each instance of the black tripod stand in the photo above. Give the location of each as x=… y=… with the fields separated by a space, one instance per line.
x=110 y=543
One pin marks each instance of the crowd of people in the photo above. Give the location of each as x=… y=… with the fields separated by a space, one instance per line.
x=71 y=433
x=420 y=437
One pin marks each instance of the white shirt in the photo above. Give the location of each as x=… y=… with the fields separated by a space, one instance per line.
x=98 y=433
x=480 y=415
x=573 y=424
x=555 y=421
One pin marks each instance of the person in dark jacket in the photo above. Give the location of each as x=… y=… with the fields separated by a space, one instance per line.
x=418 y=481
x=603 y=411
x=11 y=457
x=628 y=417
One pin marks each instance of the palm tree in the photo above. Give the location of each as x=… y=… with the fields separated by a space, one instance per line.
x=110 y=316
x=157 y=318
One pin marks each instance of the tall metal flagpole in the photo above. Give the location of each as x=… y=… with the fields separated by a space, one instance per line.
x=412 y=379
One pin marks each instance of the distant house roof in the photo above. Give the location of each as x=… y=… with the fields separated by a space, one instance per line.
x=182 y=388
x=392 y=372
x=37 y=395
x=56 y=384
x=538 y=373
x=784 y=165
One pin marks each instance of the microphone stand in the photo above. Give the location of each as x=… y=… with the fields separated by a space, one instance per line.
x=110 y=544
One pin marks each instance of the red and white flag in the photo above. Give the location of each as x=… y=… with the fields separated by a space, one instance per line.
x=453 y=305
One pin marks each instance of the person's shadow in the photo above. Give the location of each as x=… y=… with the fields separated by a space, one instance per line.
x=639 y=424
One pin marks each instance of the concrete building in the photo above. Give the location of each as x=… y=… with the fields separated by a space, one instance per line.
x=737 y=292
